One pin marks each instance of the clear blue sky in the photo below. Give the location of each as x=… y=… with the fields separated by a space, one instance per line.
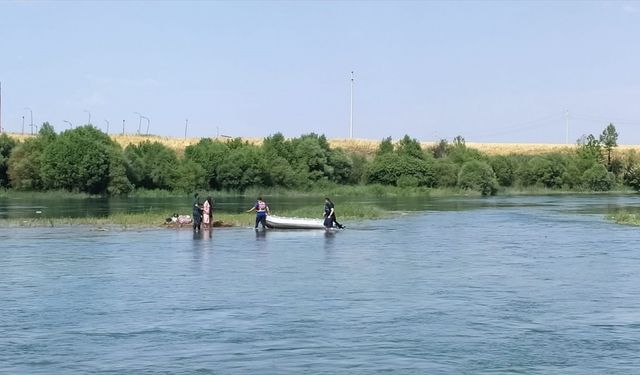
x=489 y=71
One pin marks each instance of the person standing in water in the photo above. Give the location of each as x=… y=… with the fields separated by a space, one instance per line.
x=262 y=210
x=197 y=213
x=330 y=215
x=207 y=212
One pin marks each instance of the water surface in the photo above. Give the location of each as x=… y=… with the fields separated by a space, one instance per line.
x=487 y=286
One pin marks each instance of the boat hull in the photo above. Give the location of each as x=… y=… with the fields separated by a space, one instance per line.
x=278 y=222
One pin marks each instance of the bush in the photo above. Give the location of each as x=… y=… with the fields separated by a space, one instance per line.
x=407 y=181
x=242 y=168
x=597 y=178
x=78 y=160
x=151 y=165
x=6 y=146
x=388 y=168
x=446 y=173
x=478 y=176
x=504 y=167
x=208 y=154
x=548 y=170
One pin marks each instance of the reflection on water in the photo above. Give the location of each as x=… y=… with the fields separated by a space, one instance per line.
x=498 y=285
x=20 y=207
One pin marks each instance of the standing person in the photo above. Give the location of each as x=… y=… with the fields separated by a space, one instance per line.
x=197 y=213
x=330 y=215
x=262 y=210
x=207 y=212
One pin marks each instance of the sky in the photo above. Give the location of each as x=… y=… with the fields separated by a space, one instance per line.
x=489 y=71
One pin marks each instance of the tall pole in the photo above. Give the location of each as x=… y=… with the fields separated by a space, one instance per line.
x=140 y=122
x=148 y=123
x=31 y=123
x=122 y=127
x=22 y=125
x=186 y=123
x=107 y=121
x=88 y=123
x=566 y=118
x=351 y=112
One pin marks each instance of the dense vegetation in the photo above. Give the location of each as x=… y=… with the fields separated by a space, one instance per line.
x=86 y=160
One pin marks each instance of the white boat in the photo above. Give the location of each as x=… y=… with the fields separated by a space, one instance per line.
x=279 y=222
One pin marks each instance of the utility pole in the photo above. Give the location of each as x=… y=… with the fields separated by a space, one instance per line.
x=31 y=124
x=351 y=112
x=140 y=122
x=122 y=127
x=88 y=123
x=107 y=121
x=148 y=123
x=186 y=123
x=566 y=118
x=22 y=125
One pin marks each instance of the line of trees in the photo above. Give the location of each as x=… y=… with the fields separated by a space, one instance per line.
x=87 y=160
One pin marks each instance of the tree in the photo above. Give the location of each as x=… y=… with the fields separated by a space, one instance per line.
x=7 y=144
x=547 y=170
x=243 y=168
x=504 y=168
x=478 y=175
x=78 y=160
x=446 y=173
x=609 y=140
x=597 y=178
x=410 y=147
x=440 y=150
x=25 y=164
x=385 y=147
x=394 y=169
x=208 y=154
x=151 y=165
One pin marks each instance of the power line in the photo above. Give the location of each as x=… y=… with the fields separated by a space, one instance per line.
x=597 y=119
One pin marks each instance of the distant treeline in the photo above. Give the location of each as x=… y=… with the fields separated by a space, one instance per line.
x=87 y=160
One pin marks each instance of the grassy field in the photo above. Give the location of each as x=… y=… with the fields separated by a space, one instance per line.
x=363 y=146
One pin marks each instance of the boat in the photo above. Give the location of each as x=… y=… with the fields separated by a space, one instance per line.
x=279 y=222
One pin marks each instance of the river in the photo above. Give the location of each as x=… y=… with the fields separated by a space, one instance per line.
x=502 y=285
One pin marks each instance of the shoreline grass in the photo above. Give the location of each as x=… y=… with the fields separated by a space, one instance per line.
x=626 y=218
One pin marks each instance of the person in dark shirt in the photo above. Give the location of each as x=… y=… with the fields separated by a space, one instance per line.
x=330 y=215
x=197 y=213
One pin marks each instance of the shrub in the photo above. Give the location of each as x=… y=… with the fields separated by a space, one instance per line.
x=597 y=178
x=388 y=168
x=446 y=173
x=478 y=176
x=6 y=146
x=548 y=170
x=151 y=165
x=504 y=167
x=78 y=160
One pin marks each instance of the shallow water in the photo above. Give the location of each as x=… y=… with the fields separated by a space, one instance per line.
x=502 y=285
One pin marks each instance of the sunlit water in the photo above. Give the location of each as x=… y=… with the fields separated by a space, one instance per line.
x=539 y=285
